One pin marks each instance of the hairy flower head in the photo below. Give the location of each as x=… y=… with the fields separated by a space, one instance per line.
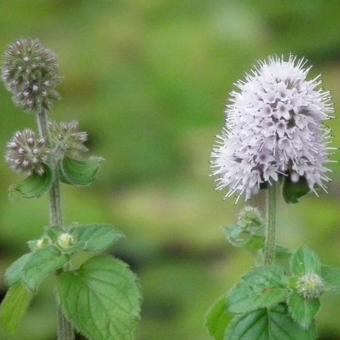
x=27 y=153
x=31 y=73
x=250 y=218
x=310 y=286
x=66 y=138
x=274 y=127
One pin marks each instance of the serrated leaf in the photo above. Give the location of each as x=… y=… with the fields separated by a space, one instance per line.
x=293 y=191
x=331 y=276
x=14 y=272
x=33 y=186
x=42 y=263
x=263 y=287
x=303 y=311
x=77 y=172
x=268 y=324
x=101 y=299
x=305 y=261
x=96 y=237
x=14 y=306
x=218 y=318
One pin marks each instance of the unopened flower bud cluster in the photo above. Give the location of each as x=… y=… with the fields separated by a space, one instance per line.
x=310 y=286
x=65 y=241
x=66 y=138
x=250 y=218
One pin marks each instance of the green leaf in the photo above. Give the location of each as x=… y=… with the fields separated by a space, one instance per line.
x=268 y=324
x=263 y=287
x=14 y=306
x=14 y=272
x=42 y=263
x=305 y=261
x=254 y=244
x=293 y=191
x=303 y=311
x=33 y=186
x=218 y=318
x=239 y=237
x=96 y=237
x=77 y=172
x=101 y=299
x=331 y=276
x=282 y=252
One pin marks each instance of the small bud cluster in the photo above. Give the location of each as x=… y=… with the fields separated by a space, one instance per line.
x=66 y=138
x=310 y=286
x=31 y=73
x=42 y=243
x=27 y=153
x=250 y=217
x=65 y=241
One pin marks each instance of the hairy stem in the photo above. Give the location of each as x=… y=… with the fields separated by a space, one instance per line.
x=65 y=331
x=270 y=246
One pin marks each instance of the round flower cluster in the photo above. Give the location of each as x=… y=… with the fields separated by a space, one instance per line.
x=250 y=218
x=310 y=286
x=65 y=241
x=26 y=153
x=274 y=127
x=31 y=73
x=67 y=138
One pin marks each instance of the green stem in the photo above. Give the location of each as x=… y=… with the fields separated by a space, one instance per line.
x=270 y=247
x=65 y=330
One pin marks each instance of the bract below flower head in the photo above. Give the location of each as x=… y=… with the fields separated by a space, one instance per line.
x=273 y=128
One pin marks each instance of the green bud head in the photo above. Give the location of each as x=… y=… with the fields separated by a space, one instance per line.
x=68 y=139
x=250 y=217
x=65 y=241
x=310 y=286
x=42 y=243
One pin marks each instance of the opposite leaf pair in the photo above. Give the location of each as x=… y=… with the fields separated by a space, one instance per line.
x=70 y=171
x=272 y=302
x=101 y=297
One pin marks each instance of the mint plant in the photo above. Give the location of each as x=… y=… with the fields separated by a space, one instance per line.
x=100 y=298
x=274 y=139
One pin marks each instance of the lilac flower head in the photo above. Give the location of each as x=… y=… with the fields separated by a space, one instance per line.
x=273 y=128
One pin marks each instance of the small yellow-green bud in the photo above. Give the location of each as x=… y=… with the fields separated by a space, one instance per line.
x=42 y=243
x=250 y=217
x=310 y=286
x=65 y=240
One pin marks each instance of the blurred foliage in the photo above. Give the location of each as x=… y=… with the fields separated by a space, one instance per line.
x=148 y=79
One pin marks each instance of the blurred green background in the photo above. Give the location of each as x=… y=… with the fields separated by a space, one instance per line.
x=148 y=79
